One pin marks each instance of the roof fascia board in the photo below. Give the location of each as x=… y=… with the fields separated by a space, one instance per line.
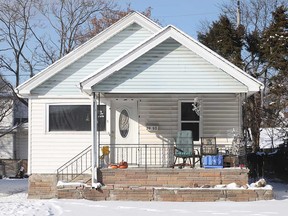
x=216 y=60
x=83 y=49
x=172 y=32
x=146 y=22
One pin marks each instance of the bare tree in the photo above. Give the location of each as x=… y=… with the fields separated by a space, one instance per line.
x=6 y=106
x=66 y=19
x=15 y=55
x=36 y=33
x=108 y=18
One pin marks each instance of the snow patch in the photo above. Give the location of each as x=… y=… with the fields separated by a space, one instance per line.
x=71 y=184
x=15 y=203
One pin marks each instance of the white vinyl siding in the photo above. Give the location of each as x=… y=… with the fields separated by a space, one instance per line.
x=7 y=121
x=66 y=81
x=21 y=139
x=6 y=146
x=50 y=150
x=170 y=67
x=220 y=114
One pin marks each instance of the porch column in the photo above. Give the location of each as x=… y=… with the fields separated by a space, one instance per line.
x=95 y=153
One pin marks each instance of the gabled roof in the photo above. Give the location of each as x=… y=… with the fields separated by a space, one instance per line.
x=252 y=84
x=135 y=17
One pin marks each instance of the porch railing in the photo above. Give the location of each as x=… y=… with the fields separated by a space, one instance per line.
x=76 y=166
x=147 y=155
x=141 y=155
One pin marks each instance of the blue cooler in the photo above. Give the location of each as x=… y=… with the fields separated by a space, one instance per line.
x=212 y=161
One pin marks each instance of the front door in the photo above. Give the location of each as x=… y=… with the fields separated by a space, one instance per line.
x=124 y=130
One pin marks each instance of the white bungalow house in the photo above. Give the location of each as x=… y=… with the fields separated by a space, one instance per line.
x=149 y=82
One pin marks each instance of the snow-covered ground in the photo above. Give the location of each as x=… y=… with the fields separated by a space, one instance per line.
x=13 y=201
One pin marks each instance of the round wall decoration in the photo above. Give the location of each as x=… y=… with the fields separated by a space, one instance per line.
x=124 y=123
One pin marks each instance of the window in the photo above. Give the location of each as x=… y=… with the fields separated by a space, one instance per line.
x=75 y=118
x=69 y=118
x=189 y=119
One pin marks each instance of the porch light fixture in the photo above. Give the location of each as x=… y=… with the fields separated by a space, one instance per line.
x=196 y=106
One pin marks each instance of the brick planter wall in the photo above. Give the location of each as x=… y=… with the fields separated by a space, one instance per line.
x=173 y=177
x=166 y=194
x=154 y=185
x=42 y=186
x=211 y=195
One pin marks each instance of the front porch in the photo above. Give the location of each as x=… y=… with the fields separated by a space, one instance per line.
x=150 y=176
x=146 y=156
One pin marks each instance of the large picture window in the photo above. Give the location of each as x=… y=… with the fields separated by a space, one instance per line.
x=69 y=118
x=189 y=119
x=75 y=118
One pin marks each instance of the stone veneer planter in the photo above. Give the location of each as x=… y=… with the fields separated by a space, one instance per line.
x=137 y=184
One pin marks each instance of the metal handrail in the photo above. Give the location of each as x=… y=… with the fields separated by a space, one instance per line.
x=75 y=166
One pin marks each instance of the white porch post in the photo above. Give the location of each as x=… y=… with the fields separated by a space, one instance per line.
x=95 y=152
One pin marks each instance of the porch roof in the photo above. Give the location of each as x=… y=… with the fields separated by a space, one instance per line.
x=221 y=75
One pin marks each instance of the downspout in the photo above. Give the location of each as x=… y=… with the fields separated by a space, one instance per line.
x=244 y=123
x=98 y=146
x=29 y=171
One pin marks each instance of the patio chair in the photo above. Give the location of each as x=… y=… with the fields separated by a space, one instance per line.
x=184 y=149
x=208 y=147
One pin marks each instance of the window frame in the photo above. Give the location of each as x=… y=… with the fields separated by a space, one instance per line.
x=180 y=121
x=47 y=119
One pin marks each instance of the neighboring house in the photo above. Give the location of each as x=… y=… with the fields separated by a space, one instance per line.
x=271 y=138
x=13 y=129
x=149 y=82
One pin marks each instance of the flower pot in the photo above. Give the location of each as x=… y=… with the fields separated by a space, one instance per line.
x=113 y=166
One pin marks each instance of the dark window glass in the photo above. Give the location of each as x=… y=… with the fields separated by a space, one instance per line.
x=190 y=120
x=101 y=113
x=194 y=127
x=187 y=113
x=70 y=118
